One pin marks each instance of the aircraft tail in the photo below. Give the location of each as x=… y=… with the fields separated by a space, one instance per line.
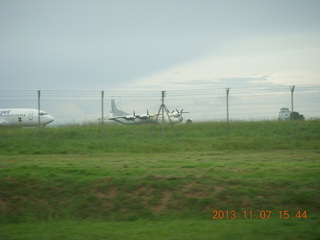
x=115 y=111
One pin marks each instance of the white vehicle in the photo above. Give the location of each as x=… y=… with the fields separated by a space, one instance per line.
x=120 y=116
x=23 y=117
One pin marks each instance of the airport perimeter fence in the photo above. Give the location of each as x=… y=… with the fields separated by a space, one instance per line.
x=205 y=104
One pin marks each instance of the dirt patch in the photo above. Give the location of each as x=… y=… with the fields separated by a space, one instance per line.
x=162 y=206
x=198 y=190
x=155 y=199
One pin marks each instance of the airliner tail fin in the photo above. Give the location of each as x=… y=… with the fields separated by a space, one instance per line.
x=115 y=111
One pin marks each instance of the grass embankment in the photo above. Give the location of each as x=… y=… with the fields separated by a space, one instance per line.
x=266 y=135
x=122 y=184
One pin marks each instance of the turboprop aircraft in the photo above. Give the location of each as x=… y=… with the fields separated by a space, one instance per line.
x=23 y=117
x=120 y=116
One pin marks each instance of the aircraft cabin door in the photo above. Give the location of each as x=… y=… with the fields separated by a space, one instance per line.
x=31 y=115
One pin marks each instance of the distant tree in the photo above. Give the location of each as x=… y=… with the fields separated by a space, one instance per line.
x=296 y=116
x=189 y=121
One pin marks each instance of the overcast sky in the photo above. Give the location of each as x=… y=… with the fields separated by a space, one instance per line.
x=101 y=44
x=158 y=44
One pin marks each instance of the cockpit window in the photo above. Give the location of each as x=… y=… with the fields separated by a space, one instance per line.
x=43 y=113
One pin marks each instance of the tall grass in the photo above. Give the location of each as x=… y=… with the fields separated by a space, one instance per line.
x=88 y=138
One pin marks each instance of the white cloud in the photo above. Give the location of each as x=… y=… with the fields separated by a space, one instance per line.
x=285 y=59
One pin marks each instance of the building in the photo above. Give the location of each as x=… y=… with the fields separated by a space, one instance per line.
x=285 y=114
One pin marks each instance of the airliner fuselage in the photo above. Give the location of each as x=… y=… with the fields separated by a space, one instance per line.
x=24 y=117
x=120 y=116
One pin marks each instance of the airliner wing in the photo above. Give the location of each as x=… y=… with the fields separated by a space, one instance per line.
x=143 y=116
x=123 y=117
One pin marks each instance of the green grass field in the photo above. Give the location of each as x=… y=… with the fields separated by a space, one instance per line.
x=82 y=182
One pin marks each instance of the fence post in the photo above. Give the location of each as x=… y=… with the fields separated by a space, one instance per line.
x=39 y=112
x=102 y=112
x=292 y=115
x=227 y=102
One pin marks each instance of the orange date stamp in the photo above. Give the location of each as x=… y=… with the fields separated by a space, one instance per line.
x=263 y=214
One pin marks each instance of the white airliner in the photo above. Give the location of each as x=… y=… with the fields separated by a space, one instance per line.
x=23 y=117
x=120 y=116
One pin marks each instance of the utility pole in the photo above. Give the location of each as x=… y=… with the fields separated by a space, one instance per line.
x=292 y=115
x=163 y=109
x=227 y=102
x=163 y=94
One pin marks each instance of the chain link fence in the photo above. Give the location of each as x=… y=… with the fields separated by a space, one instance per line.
x=206 y=104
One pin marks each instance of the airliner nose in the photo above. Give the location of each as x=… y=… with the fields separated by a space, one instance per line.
x=49 y=119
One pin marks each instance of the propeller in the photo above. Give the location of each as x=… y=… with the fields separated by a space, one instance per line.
x=143 y=116
x=179 y=113
x=133 y=117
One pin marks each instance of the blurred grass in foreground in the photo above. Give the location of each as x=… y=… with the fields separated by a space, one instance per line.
x=76 y=182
